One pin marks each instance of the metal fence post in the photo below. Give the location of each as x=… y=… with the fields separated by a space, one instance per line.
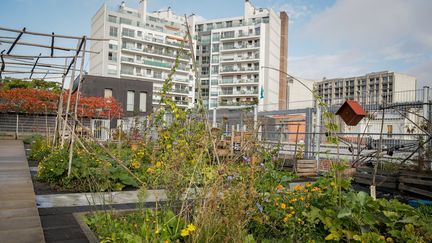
x=214 y=117
x=425 y=102
x=308 y=140
x=17 y=127
x=317 y=136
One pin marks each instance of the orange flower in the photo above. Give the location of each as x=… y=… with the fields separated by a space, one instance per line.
x=298 y=188
x=283 y=205
x=316 y=189
x=302 y=198
x=279 y=187
x=306 y=190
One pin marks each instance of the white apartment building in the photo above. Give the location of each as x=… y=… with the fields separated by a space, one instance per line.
x=143 y=46
x=231 y=52
x=373 y=88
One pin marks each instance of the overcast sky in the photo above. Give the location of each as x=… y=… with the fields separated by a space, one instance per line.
x=327 y=38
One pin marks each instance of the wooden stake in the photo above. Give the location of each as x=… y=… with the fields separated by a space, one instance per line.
x=76 y=106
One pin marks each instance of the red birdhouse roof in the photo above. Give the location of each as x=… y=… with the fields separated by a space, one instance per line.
x=355 y=106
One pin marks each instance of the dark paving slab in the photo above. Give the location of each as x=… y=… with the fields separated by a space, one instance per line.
x=60 y=226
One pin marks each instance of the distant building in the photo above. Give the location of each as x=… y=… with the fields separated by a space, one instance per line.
x=135 y=97
x=143 y=46
x=231 y=52
x=373 y=88
x=300 y=95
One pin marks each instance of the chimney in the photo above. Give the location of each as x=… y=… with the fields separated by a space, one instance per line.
x=248 y=9
x=143 y=9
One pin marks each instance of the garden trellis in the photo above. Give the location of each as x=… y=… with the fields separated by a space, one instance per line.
x=38 y=64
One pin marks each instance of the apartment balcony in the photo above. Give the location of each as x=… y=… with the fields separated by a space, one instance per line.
x=239 y=48
x=156 y=64
x=179 y=91
x=157 y=53
x=239 y=59
x=236 y=104
x=226 y=70
x=227 y=82
x=243 y=36
x=239 y=93
x=161 y=42
x=155 y=77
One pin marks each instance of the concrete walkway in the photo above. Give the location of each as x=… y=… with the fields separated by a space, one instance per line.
x=19 y=217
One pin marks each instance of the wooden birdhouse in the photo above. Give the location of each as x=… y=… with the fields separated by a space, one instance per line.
x=351 y=112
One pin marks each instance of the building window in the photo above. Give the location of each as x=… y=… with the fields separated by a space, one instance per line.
x=130 y=102
x=125 y=21
x=112 y=47
x=112 y=19
x=389 y=131
x=143 y=102
x=112 y=56
x=108 y=93
x=128 y=32
x=113 y=31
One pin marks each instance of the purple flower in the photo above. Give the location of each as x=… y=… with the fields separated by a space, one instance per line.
x=260 y=208
x=230 y=178
x=246 y=159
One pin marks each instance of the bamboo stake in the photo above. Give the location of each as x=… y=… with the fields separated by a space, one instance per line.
x=76 y=105
x=69 y=97
x=60 y=107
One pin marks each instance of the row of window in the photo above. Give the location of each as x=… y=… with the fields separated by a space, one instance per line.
x=130 y=99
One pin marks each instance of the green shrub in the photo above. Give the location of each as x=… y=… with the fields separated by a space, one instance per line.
x=40 y=148
x=141 y=226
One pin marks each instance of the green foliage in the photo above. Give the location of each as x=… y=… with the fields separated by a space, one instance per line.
x=34 y=84
x=141 y=226
x=330 y=210
x=40 y=148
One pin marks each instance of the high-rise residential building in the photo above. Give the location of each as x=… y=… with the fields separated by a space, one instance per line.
x=144 y=46
x=231 y=53
x=384 y=87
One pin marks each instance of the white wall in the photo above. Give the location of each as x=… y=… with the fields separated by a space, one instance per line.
x=299 y=97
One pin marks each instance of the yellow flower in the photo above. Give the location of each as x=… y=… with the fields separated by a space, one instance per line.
x=191 y=227
x=333 y=184
x=298 y=188
x=184 y=232
x=302 y=198
x=291 y=208
x=279 y=187
x=285 y=219
x=136 y=164
x=166 y=241
x=283 y=205
x=150 y=170
x=308 y=185
x=158 y=164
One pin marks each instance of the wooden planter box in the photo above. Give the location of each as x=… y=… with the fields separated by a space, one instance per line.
x=416 y=182
x=383 y=179
x=80 y=218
